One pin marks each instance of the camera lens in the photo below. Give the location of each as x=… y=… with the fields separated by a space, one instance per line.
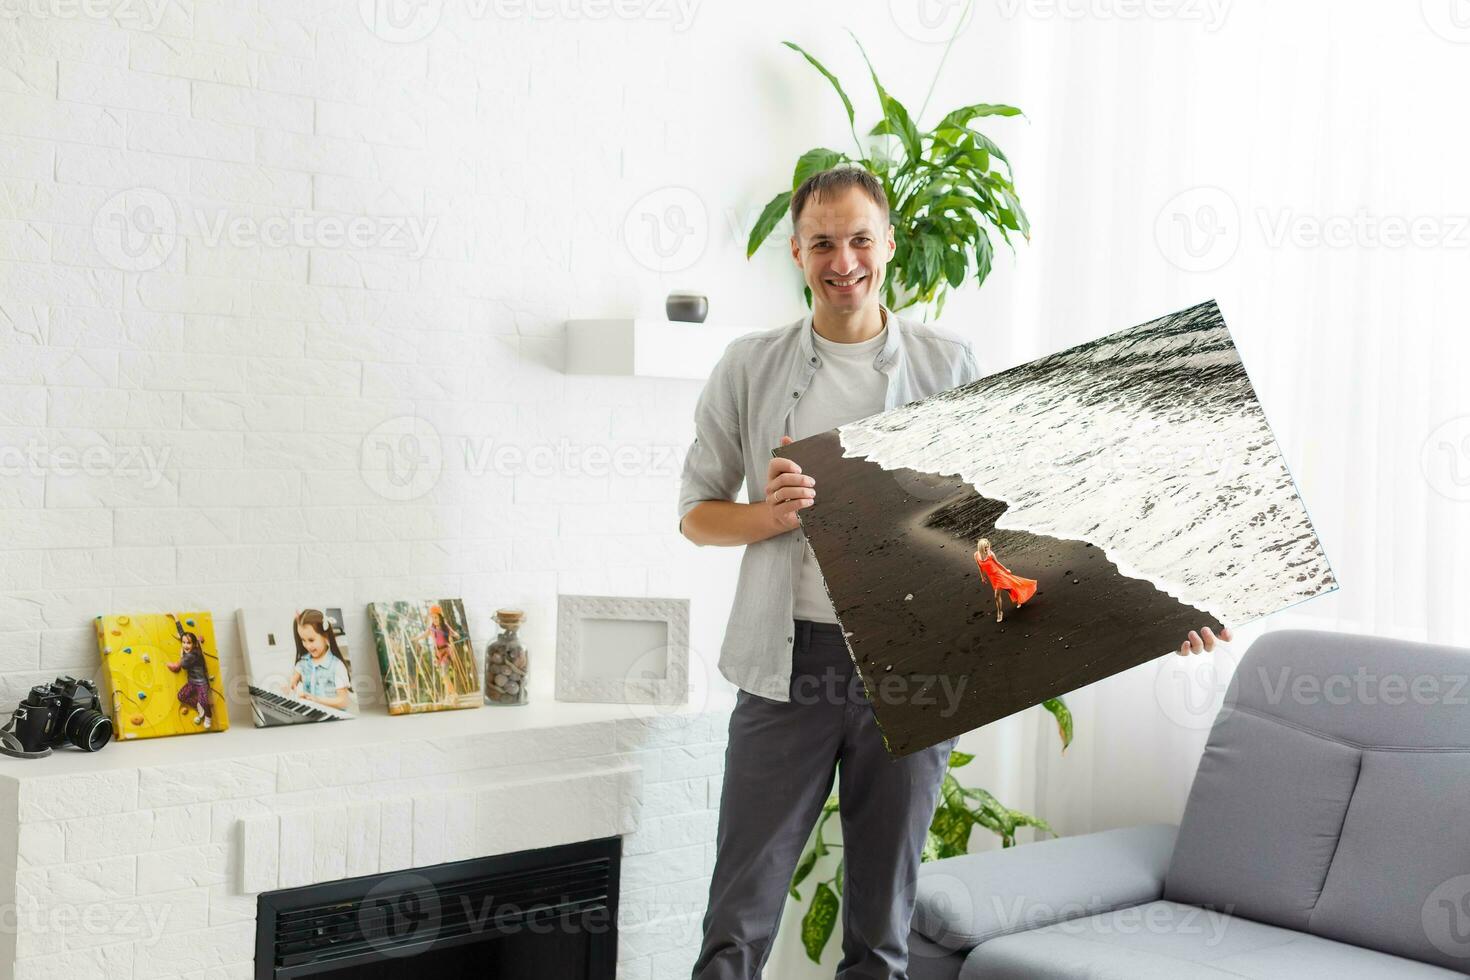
x=88 y=730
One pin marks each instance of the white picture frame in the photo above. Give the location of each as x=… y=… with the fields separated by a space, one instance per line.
x=622 y=649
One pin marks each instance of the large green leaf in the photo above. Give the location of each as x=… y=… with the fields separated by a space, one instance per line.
x=961 y=117
x=846 y=102
x=983 y=257
x=952 y=826
x=775 y=208
x=808 y=861
x=896 y=119
x=958 y=758
x=816 y=925
x=814 y=162
x=1063 y=715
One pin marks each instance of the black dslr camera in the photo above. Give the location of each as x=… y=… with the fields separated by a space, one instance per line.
x=66 y=710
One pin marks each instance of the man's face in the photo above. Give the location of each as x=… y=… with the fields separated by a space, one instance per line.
x=843 y=245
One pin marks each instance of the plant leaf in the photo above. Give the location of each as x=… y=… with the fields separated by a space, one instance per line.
x=775 y=208
x=808 y=861
x=958 y=758
x=895 y=117
x=961 y=117
x=816 y=925
x=1063 y=715
x=846 y=102
x=813 y=162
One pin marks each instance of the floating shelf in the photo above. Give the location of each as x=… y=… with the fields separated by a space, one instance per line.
x=647 y=348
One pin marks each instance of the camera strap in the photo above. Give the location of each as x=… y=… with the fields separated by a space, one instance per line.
x=11 y=745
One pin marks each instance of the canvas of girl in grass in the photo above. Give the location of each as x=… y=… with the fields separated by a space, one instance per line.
x=426 y=656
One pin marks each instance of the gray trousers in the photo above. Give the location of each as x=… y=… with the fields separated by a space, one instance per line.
x=779 y=768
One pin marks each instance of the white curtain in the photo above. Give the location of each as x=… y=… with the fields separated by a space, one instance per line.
x=1296 y=144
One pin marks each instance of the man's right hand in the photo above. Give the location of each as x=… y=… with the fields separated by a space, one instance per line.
x=788 y=490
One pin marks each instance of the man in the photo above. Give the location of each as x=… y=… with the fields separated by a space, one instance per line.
x=801 y=712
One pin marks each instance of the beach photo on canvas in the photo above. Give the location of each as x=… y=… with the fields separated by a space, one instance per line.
x=1029 y=533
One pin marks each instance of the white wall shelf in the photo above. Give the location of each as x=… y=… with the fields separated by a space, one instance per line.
x=647 y=348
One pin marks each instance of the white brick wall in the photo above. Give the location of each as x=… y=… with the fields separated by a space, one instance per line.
x=226 y=372
x=152 y=873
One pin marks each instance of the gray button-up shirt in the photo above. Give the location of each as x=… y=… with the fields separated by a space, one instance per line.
x=741 y=415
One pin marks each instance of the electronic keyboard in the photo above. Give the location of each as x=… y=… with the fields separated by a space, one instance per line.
x=272 y=708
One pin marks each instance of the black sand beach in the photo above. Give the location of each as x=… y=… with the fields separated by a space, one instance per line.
x=950 y=667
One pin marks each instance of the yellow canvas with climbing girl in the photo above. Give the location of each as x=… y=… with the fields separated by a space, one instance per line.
x=161 y=674
x=426 y=656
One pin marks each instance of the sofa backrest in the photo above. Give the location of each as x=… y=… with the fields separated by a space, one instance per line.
x=1333 y=796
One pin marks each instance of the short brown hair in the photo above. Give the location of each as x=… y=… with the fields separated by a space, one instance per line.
x=834 y=181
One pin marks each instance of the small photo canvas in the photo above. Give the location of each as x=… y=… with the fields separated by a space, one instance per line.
x=298 y=665
x=426 y=656
x=161 y=674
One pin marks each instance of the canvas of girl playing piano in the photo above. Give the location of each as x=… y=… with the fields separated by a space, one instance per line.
x=297 y=665
x=426 y=656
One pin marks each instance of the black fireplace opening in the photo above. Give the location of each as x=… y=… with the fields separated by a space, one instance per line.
x=531 y=915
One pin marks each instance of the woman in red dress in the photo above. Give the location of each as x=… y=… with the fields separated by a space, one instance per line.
x=1001 y=579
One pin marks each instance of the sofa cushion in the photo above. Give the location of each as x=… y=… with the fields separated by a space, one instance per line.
x=1261 y=822
x=976 y=897
x=1168 y=941
x=1400 y=880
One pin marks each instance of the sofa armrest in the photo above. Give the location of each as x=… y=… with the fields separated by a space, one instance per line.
x=964 y=901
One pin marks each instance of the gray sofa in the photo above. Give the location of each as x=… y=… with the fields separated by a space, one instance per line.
x=1327 y=835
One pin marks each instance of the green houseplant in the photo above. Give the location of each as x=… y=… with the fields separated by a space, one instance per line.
x=949 y=190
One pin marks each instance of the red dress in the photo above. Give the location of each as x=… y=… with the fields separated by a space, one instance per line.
x=1000 y=577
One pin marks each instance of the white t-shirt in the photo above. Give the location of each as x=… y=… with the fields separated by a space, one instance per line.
x=845 y=388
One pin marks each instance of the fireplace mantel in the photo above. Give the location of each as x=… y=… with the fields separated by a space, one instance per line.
x=145 y=859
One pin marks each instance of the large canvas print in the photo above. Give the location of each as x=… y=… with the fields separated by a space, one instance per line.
x=426 y=656
x=1019 y=537
x=298 y=663
x=161 y=675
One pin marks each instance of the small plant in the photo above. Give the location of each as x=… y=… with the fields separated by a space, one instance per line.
x=960 y=810
x=949 y=188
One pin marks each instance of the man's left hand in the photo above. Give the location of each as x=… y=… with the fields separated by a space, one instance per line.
x=1203 y=641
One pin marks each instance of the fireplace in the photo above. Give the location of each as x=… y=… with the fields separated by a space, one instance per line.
x=529 y=915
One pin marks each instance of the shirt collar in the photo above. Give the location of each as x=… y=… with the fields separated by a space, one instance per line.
x=884 y=358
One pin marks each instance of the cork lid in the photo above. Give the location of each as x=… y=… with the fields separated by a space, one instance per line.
x=509 y=618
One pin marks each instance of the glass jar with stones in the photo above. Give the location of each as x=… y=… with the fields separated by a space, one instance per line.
x=506 y=661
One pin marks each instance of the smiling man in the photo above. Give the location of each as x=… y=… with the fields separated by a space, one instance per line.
x=801 y=714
